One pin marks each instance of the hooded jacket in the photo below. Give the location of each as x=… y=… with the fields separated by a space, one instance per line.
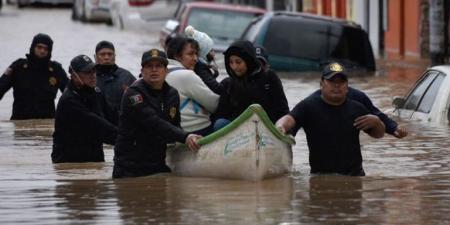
x=256 y=86
x=197 y=101
x=35 y=82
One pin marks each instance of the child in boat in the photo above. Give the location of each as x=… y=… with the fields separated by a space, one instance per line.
x=248 y=84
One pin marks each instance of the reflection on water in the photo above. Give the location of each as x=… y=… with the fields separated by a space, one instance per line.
x=407 y=182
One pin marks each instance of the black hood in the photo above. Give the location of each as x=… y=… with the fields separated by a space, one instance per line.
x=246 y=51
x=41 y=39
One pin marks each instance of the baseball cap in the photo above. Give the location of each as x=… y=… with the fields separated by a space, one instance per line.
x=154 y=54
x=82 y=63
x=332 y=70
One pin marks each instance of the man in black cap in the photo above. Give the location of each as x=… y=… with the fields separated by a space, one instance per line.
x=83 y=120
x=35 y=81
x=332 y=123
x=149 y=119
x=111 y=79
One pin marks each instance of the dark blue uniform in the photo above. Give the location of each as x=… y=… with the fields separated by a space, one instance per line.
x=35 y=84
x=113 y=81
x=149 y=119
x=361 y=97
x=333 y=140
x=81 y=126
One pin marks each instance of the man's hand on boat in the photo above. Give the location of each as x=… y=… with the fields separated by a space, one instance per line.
x=285 y=123
x=191 y=141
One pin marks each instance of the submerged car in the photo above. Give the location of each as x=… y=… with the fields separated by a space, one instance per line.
x=91 y=10
x=305 y=42
x=429 y=98
x=224 y=23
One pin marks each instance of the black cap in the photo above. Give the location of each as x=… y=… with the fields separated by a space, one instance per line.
x=82 y=63
x=154 y=54
x=332 y=70
x=104 y=44
x=261 y=53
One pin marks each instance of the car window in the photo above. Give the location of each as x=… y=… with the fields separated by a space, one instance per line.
x=430 y=95
x=220 y=24
x=416 y=95
x=354 y=46
x=299 y=38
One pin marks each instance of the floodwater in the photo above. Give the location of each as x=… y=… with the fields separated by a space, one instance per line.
x=407 y=182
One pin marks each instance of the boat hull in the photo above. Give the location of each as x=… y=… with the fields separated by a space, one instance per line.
x=248 y=149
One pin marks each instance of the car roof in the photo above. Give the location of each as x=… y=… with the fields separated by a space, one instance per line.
x=214 y=5
x=442 y=68
x=325 y=19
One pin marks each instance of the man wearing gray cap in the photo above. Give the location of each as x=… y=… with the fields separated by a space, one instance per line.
x=83 y=119
x=332 y=123
x=149 y=119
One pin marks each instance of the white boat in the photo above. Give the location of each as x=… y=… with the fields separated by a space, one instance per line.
x=249 y=148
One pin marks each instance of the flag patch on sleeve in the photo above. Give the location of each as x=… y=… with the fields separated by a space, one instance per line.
x=136 y=99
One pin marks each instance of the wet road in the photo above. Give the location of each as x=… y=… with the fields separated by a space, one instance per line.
x=407 y=182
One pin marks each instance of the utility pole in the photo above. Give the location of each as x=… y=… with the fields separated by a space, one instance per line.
x=437 y=32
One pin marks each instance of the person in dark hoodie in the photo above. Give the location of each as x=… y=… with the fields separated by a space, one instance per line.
x=35 y=81
x=83 y=120
x=248 y=84
x=111 y=79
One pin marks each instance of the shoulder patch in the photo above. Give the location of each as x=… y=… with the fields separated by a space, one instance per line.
x=52 y=81
x=8 y=71
x=136 y=99
x=172 y=112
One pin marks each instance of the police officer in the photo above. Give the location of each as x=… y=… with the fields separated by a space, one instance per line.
x=81 y=121
x=111 y=79
x=149 y=119
x=35 y=81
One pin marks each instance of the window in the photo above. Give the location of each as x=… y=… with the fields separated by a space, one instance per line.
x=221 y=25
x=430 y=95
x=416 y=95
x=300 y=38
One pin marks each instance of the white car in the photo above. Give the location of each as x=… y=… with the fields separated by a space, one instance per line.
x=429 y=99
x=137 y=14
x=91 y=10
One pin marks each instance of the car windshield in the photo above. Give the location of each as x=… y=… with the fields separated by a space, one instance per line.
x=221 y=25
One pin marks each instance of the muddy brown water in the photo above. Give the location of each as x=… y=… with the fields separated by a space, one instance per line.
x=407 y=182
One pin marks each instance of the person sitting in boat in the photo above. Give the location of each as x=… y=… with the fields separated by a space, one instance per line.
x=248 y=84
x=332 y=123
x=205 y=67
x=149 y=119
x=197 y=101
